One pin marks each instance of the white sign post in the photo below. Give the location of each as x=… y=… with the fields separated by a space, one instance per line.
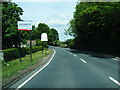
x=44 y=38
x=25 y=26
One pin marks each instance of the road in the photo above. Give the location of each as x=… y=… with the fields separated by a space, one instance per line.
x=72 y=69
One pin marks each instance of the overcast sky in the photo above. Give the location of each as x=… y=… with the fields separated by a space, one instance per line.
x=56 y=14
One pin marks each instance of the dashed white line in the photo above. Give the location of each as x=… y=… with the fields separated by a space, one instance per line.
x=115 y=59
x=70 y=53
x=35 y=73
x=75 y=55
x=83 y=60
x=115 y=81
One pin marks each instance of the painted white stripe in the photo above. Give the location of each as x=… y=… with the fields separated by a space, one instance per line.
x=83 y=60
x=70 y=53
x=115 y=59
x=115 y=81
x=36 y=72
x=75 y=55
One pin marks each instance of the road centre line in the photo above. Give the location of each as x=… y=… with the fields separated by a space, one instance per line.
x=70 y=53
x=83 y=60
x=36 y=72
x=75 y=55
x=115 y=59
x=115 y=81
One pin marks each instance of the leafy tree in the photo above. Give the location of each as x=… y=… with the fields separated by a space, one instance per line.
x=53 y=36
x=10 y=15
x=44 y=28
x=70 y=43
x=95 y=26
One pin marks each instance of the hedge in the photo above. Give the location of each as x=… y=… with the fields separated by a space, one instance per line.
x=11 y=54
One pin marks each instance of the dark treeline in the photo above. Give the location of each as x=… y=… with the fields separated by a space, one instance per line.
x=96 y=27
x=10 y=35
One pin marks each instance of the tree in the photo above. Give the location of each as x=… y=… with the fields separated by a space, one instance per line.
x=53 y=37
x=44 y=28
x=10 y=15
x=95 y=26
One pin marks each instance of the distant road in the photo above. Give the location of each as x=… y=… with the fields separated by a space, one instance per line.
x=72 y=69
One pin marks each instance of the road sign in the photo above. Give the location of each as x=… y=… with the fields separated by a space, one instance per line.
x=44 y=37
x=24 y=25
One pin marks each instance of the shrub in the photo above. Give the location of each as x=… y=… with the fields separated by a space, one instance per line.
x=38 y=42
x=11 y=54
x=36 y=48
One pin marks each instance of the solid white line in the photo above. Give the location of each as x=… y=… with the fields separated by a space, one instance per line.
x=35 y=73
x=75 y=55
x=115 y=81
x=83 y=60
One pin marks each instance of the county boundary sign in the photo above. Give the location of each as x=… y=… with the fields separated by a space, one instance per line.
x=24 y=25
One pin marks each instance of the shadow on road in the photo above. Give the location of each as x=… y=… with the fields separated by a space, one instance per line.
x=92 y=54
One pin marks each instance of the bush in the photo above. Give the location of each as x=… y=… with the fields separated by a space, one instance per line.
x=38 y=42
x=11 y=54
x=36 y=48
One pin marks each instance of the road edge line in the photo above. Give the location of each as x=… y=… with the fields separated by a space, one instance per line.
x=115 y=81
x=36 y=72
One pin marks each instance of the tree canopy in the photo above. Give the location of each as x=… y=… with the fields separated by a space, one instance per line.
x=96 y=26
x=10 y=35
x=10 y=15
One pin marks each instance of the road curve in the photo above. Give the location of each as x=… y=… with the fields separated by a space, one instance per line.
x=70 y=69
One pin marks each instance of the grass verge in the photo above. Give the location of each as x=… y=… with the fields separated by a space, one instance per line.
x=15 y=68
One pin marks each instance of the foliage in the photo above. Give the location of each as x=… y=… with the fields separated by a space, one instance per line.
x=38 y=42
x=10 y=15
x=11 y=54
x=52 y=33
x=70 y=43
x=95 y=26
x=53 y=37
x=15 y=67
x=10 y=35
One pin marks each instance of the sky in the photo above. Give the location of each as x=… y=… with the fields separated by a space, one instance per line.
x=56 y=14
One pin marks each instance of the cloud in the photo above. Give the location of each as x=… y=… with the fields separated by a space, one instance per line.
x=55 y=21
x=58 y=20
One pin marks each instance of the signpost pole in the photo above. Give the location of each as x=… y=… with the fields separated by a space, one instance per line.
x=46 y=48
x=42 y=47
x=31 y=46
x=43 y=38
x=25 y=26
x=19 y=50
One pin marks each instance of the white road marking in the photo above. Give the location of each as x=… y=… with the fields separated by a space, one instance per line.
x=35 y=73
x=115 y=59
x=83 y=60
x=115 y=81
x=70 y=53
x=75 y=55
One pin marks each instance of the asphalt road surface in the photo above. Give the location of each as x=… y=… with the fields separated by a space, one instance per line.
x=73 y=69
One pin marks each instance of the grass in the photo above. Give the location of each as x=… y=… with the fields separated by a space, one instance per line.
x=15 y=66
